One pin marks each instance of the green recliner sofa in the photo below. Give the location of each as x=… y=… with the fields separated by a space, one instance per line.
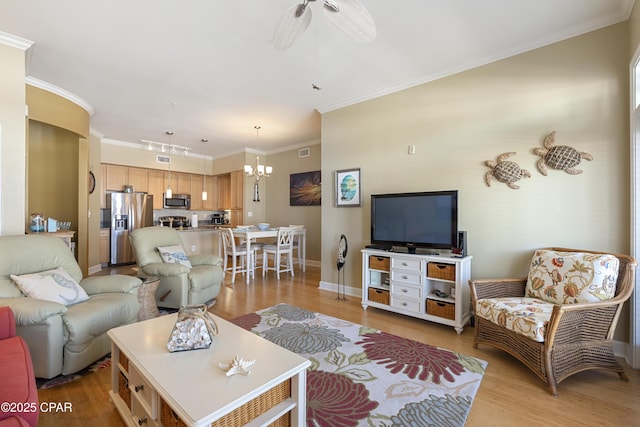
x=63 y=338
x=179 y=284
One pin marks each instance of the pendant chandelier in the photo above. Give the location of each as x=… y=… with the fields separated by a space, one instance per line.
x=259 y=170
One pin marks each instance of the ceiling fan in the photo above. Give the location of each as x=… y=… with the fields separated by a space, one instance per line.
x=349 y=17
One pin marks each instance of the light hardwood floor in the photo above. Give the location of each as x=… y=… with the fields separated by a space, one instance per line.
x=510 y=394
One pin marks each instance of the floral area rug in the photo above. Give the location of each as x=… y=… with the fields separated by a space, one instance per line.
x=42 y=383
x=361 y=376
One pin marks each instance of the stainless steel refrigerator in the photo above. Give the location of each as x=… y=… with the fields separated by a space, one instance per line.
x=128 y=212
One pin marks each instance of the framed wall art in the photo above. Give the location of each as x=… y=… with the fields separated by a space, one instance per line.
x=348 y=188
x=305 y=189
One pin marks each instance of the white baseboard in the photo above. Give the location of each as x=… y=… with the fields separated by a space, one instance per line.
x=333 y=287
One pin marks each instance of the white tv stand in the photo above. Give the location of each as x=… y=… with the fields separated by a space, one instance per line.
x=429 y=287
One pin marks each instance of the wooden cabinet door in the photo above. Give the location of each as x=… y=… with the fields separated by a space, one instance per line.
x=104 y=246
x=211 y=185
x=237 y=189
x=156 y=186
x=224 y=191
x=183 y=185
x=117 y=177
x=138 y=179
x=196 y=192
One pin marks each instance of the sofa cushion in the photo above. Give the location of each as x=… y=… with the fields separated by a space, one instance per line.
x=572 y=277
x=525 y=316
x=174 y=254
x=18 y=380
x=53 y=285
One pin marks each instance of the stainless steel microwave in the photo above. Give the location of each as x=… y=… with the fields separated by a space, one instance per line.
x=176 y=201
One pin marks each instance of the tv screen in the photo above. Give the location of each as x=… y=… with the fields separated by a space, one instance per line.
x=425 y=219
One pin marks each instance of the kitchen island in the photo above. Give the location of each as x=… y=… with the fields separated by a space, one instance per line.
x=204 y=239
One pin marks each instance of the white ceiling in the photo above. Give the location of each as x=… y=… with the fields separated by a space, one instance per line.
x=207 y=69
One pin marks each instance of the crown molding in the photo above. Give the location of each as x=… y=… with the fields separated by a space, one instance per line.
x=41 y=84
x=15 y=41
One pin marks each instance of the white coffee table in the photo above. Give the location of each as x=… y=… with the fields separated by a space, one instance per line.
x=150 y=384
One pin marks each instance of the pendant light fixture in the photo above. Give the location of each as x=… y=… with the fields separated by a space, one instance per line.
x=168 y=192
x=260 y=170
x=204 y=188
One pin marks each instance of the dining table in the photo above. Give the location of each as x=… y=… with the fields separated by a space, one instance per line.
x=248 y=235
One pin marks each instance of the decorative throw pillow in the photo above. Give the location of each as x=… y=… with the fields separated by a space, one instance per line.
x=572 y=277
x=53 y=285
x=174 y=254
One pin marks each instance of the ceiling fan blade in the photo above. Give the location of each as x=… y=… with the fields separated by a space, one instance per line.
x=291 y=26
x=352 y=19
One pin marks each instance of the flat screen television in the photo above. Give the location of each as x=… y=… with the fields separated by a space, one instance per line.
x=415 y=220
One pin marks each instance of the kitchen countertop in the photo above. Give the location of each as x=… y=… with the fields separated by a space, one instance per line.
x=204 y=227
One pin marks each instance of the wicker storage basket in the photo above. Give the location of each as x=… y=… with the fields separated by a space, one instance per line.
x=123 y=389
x=379 y=262
x=441 y=309
x=242 y=415
x=379 y=295
x=437 y=270
x=124 y=362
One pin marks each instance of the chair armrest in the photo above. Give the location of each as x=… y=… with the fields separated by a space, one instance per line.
x=577 y=323
x=31 y=311
x=7 y=323
x=497 y=288
x=205 y=259
x=164 y=269
x=118 y=283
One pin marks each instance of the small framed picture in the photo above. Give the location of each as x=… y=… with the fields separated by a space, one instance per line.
x=348 y=188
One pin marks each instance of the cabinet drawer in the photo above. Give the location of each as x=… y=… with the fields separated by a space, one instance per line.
x=379 y=262
x=379 y=295
x=410 y=305
x=140 y=415
x=406 y=264
x=141 y=389
x=437 y=270
x=407 y=278
x=401 y=290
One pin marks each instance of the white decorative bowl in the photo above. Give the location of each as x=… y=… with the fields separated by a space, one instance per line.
x=263 y=226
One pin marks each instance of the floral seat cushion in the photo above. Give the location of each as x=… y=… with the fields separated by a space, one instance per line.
x=572 y=277
x=525 y=316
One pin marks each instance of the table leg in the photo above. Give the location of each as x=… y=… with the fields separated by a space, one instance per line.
x=248 y=258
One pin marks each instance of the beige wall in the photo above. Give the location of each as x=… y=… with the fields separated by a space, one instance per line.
x=578 y=88
x=12 y=140
x=278 y=211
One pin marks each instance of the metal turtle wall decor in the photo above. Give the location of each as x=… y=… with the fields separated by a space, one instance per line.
x=506 y=171
x=561 y=157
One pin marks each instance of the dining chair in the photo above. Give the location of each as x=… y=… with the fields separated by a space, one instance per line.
x=240 y=262
x=296 y=242
x=282 y=248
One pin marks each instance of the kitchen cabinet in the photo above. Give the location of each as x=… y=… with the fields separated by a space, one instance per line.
x=180 y=182
x=156 y=186
x=237 y=189
x=211 y=185
x=429 y=287
x=196 y=192
x=224 y=191
x=138 y=179
x=104 y=246
x=117 y=177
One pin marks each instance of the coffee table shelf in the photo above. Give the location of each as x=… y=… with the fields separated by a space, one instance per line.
x=152 y=387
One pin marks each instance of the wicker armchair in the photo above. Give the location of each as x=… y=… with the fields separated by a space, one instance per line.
x=577 y=337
